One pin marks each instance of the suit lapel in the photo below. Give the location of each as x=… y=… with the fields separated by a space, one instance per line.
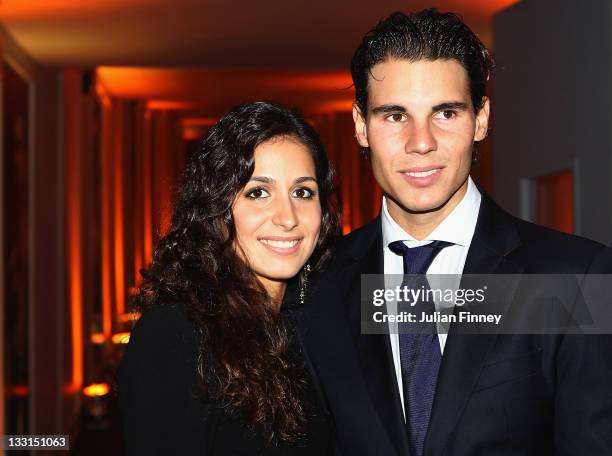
x=464 y=354
x=374 y=350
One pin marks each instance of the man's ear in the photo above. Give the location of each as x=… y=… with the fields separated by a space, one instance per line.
x=482 y=121
x=360 y=127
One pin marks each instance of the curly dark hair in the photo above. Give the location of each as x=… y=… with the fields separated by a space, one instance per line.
x=244 y=345
x=424 y=35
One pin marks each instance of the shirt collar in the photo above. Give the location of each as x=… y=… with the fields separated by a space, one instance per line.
x=458 y=227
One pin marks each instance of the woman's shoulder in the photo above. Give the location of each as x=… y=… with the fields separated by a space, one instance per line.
x=160 y=334
x=165 y=410
x=163 y=320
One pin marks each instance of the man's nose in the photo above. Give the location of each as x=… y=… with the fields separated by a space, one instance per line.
x=421 y=138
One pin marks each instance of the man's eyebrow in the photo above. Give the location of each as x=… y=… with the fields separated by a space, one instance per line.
x=394 y=108
x=459 y=105
x=388 y=109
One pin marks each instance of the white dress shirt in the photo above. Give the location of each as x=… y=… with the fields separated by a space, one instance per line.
x=457 y=228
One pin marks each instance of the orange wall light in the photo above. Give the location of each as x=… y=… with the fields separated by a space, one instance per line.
x=97 y=338
x=96 y=390
x=74 y=226
x=118 y=197
x=121 y=338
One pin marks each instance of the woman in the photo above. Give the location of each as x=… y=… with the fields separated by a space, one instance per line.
x=213 y=366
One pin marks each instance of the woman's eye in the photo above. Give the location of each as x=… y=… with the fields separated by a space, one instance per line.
x=257 y=193
x=304 y=193
x=394 y=118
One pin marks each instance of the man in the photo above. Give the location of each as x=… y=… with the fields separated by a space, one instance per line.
x=420 y=107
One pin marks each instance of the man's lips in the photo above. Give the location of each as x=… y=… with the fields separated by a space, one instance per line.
x=422 y=171
x=422 y=176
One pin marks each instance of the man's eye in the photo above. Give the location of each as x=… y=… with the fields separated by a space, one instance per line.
x=257 y=193
x=394 y=118
x=447 y=114
x=303 y=193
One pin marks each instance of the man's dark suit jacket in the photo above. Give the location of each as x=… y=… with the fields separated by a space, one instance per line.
x=496 y=394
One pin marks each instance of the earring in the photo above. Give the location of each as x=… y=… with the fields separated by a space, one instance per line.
x=304 y=284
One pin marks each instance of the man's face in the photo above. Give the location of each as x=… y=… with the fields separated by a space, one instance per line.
x=420 y=128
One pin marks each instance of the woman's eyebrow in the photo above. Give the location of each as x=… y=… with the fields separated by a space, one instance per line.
x=299 y=180
x=264 y=179
x=269 y=180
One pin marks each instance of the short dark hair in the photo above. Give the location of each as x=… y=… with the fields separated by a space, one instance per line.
x=425 y=35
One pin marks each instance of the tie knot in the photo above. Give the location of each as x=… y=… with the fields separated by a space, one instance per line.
x=417 y=259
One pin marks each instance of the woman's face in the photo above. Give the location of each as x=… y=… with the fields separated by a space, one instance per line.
x=277 y=214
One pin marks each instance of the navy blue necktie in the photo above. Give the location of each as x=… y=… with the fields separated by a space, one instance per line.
x=420 y=353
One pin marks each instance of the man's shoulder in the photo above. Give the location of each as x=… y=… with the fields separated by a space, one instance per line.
x=349 y=249
x=365 y=233
x=544 y=245
x=356 y=242
x=536 y=248
x=532 y=233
